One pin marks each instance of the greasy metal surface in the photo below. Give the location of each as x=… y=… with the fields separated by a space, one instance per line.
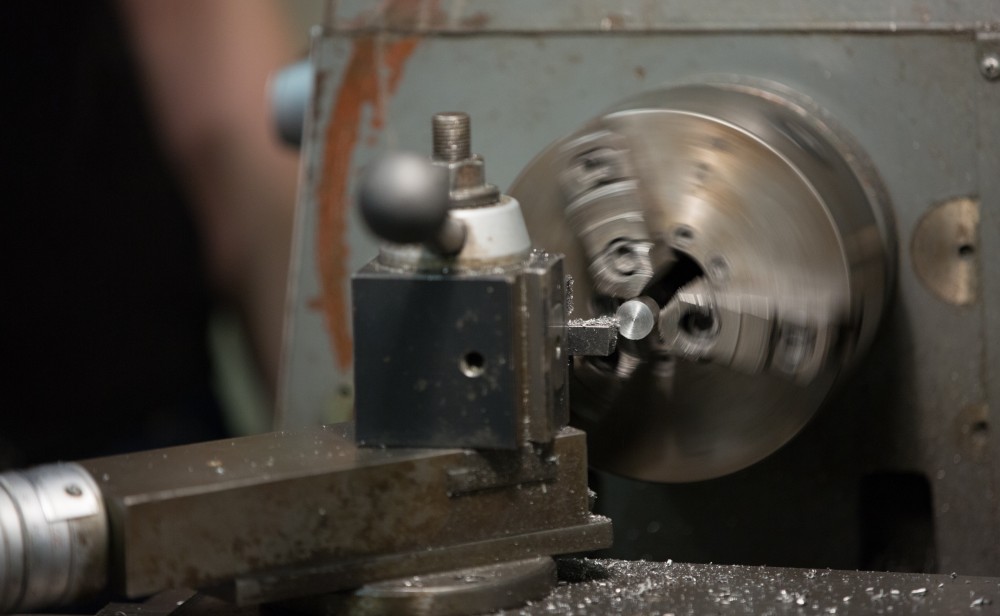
x=917 y=104
x=161 y=604
x=490 y=470
x=473 y=590
x=598 y=587
x=592 y=534
x=200 y=514
x=773 y=207
x=944 y=250
x=460 y=359
x=544 y=367
x=597 y=336
x=435 y=359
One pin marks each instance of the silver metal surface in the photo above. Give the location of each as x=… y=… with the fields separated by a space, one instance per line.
x=602 y=205
x=53 y=537
x=637 y=318
x=452 y=147
x=944 y=251
x=744 y=332
x=988 y=54
x=452 y=136
x=782 y=227
x=989 y=65
x=404 y=199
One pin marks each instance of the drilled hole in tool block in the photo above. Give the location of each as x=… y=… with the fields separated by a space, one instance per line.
x=472 y=364
x=979 y=433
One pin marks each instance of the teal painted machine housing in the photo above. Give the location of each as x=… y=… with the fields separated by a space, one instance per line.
x=903 y=78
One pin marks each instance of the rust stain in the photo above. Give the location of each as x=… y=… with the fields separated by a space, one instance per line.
x=476 y=21
x=358 y=89
x=418 y=16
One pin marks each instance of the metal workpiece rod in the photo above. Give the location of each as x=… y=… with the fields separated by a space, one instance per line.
x=634 y=320
x=53 y=537
x=452 y=136
x=637 y=317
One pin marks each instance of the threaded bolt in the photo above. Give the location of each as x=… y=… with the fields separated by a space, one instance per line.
x=452 y=136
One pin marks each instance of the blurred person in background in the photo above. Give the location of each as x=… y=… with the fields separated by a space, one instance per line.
x=143 y=191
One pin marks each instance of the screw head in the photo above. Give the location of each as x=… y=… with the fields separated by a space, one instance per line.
x=989 y=65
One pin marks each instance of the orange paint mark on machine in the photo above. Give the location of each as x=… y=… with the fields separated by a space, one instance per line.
x=359 y=87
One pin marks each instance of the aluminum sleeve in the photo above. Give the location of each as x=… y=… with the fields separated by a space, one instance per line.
x=53 y=537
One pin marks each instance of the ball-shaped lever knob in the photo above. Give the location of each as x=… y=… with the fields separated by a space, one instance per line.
x=404 y=198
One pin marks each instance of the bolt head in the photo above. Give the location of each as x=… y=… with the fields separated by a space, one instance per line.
x=989 y=65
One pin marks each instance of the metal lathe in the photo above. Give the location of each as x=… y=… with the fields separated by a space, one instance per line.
x=724 y=276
